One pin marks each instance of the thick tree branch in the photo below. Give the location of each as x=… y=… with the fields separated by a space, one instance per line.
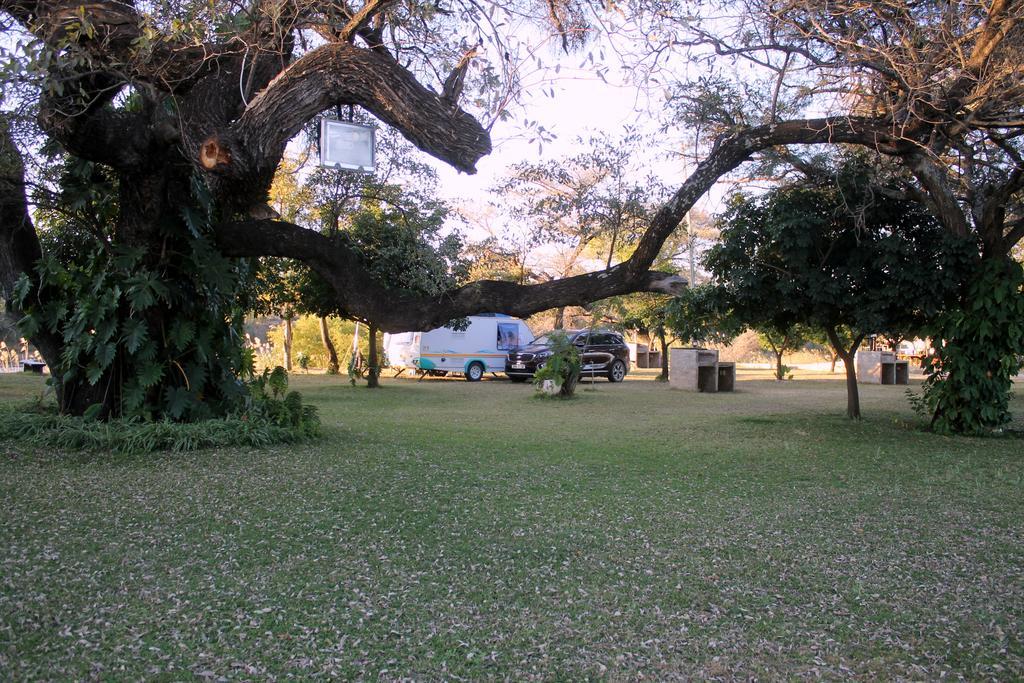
x=948 y=210
x=120 y=139
x=739 y=147
x=395 y=310
x=1014 y=234
x=335 y=74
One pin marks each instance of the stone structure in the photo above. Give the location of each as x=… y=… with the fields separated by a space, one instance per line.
x=699 y=370
x=642 y=356
x=881 y=367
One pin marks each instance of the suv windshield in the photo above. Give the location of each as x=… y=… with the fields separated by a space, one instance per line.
x=545 y=339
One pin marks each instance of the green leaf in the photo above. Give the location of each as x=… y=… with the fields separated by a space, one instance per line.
x=133 y=396
x=144 y=290
x=105 y=329
x=105 y=354
x=194 y=220
x=21 y=289
x=140 y=296
x=181 y=333
x=134 y=333
x=150 y=374
x=177 y=400
x=93 y=373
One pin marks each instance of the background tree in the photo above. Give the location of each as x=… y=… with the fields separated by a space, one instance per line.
x=293 y=201
x=647 y=314
x=842 y=253
x=401 y=239
x=594 y=204
x=701 y=315
x=779 y=341
x=277 y=291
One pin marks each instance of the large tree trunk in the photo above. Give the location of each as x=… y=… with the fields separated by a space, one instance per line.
x=373 y=359
x=332 y=353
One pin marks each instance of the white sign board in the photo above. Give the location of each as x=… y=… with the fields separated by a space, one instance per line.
x=346 y=145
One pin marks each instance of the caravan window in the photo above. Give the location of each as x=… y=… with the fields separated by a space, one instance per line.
x=508 y=336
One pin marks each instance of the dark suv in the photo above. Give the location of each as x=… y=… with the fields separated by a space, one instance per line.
x=603 y=354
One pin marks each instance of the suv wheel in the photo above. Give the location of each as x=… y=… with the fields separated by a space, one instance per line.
x=475 y=372
x=617 y=372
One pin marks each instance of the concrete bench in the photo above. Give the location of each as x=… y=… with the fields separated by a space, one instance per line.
x=881 y=367
x=699 y=370
x=726 y=376
x=33 y=366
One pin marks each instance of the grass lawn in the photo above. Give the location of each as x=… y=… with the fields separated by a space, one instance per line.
x=444 y=529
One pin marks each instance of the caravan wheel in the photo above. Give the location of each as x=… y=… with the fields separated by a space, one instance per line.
x=475 y=372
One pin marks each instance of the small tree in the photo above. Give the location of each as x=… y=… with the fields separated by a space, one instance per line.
x=648 y=313
x=838 y=252
x=780 y=341
x=563 y=366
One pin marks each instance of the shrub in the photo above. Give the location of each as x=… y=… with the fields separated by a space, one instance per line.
x=562 y=367
x=277 y=417
x=978 y=350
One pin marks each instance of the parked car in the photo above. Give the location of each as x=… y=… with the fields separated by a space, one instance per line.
x=603 y=353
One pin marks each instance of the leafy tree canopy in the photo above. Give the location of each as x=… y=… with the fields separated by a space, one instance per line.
x=843 y=251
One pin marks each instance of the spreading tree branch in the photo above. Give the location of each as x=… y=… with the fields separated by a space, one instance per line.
x=341 y=266
x=359 y=295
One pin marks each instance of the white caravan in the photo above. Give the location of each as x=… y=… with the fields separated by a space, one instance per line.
x=479 y=348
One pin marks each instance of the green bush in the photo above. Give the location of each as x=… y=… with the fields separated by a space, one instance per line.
x=268 y=418
x=281 y=408
x=50 y=430
x=978 y=350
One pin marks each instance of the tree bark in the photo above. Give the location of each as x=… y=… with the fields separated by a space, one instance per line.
x=332 y=353
x=19 y=245
x=373 y=358
x=559 y=318
x=287 y=344
x=779 y=372
x=852 y=390
x=849 y=363
x=664 y=353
